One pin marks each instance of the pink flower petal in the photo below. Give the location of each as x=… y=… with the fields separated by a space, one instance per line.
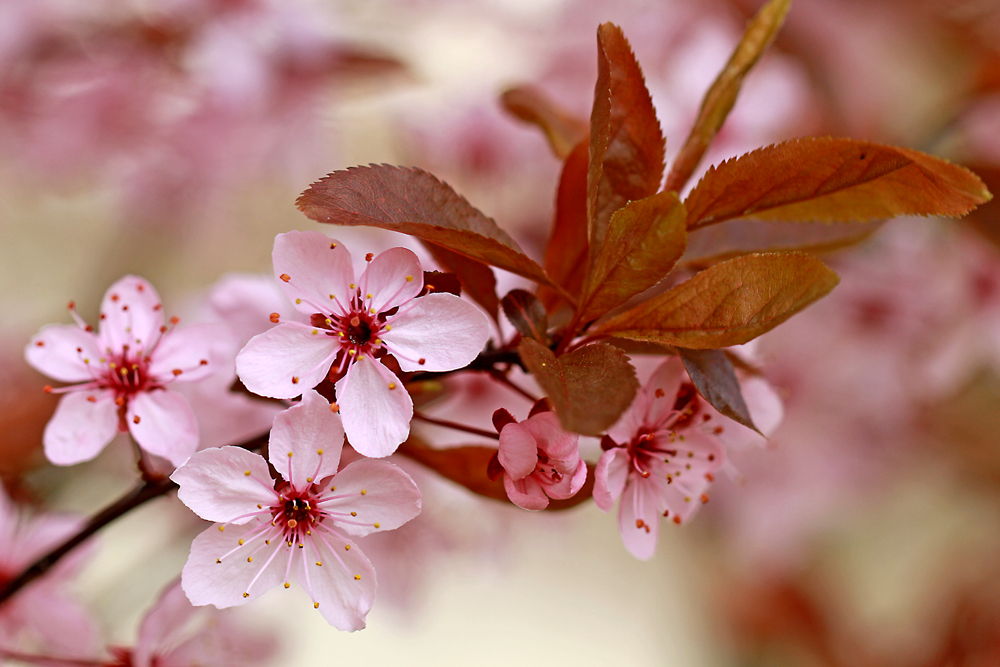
x=306 y=441
x=376 y=418
x=131 y=314
x=314 y=271
x=344 y=585
x=59 y=623
x=383 y=496
x=62 y=352
x=223 y=583
x=561 y=447
x=286 y=360
x=570 y=484
x=609 y=477
x=661 y=390
x=162 y=422
x=162 y=624
x=441 y=329
x=526 y=493
x=518 y=452
x=636 y=506
x=392 y=278
x=185 y=349
x=215 y=485
x=85 y=421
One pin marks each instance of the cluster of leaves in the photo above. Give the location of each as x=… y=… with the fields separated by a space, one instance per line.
x=629 y=264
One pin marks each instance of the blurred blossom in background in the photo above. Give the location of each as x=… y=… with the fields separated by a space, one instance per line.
x=170 y=138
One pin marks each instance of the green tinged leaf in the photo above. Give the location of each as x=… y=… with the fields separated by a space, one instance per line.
x=626 y=143
x=527 y=314
x=412 y=201
x=728 y=304
x=645 y=239
x=713 y=375
x=822 y=179
x=562 y=129
x=589 y=387
x=721 y=97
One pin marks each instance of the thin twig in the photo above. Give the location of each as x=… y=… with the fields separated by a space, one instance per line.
x=456 y=426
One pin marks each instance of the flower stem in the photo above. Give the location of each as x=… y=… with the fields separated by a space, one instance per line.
x=139 y=495
x=456 y=426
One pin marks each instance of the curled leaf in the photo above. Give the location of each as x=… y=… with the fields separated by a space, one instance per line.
x=412 y=201
x=721 y=97
x=714 y=377
x=589 y=387
x=562 y=129
x=626 y=143
x=822 y=179
x=645 y=239
x=730 y=303
x=527 y=315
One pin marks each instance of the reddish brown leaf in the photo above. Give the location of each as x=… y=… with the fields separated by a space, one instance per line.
x=438 y=281
x=477 y=279
x=732 y=238
x=713 y=375
x=721 y=97
x=468 y=466
x=563 y=129
x=645 y=239
x=411 y=201
x=527 y=314
x=626 y=144
x=589 y=387
x=833 y=180
x=728 y=304
x=566 y=252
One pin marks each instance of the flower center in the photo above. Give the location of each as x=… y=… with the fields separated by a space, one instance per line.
x=127 y=373
x=296 y=516
x=358 y=331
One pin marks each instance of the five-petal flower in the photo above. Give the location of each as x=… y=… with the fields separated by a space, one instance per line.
x=266 y=527
x=123 y=372
x=352 y=324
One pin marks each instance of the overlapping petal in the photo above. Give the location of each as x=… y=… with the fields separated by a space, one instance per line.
x=314 y=271
x=376 y=417
x=306 y=441
x=570 y=484
x=344 y=585
x=63 y=352
x=610 y=476
x=210 y=576
x=441 y=329
x=162 y=422
x=526 y=493
x=381 y=496
x=131 y=314
x=518 y=451
x=391 y=279
x=286 y=360
x=84 y=422
x=215 y=485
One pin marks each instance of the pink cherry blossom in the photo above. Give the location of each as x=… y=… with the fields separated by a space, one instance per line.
x=42 y=615
x=660 y=457
x=354 y=322
x=267 y=528
x=175 y=634
x=540 y=461
x=123 y=372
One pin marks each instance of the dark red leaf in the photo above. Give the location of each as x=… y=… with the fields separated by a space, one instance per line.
x=411 y=201
x=589 y=387
x=626 y=143
x=728 y=304
x=527 y=315
x=833 y=180
x=437 y=281
x=566 y=252
x=713 y=375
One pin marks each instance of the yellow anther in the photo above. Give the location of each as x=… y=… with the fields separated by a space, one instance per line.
x=309 y=479
x=352 y=286
x=409 y=279
x=289 y=455
x=320 y=452
x=221 y=528
x=249 y=559
x=246 y=595
x=347 y=547
x=368 y=296
x=364 y=491
x=246 y=472
x=354 y=513
x=378 y=525
x=392 y=385
x=319 y=563
x=241 y=541
x=352 y=352
x=315 y=605
x=287 y=585
x=357 y=577
x=315 y=332
x=259 y=506
x=388 y=327
x=298 y=301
